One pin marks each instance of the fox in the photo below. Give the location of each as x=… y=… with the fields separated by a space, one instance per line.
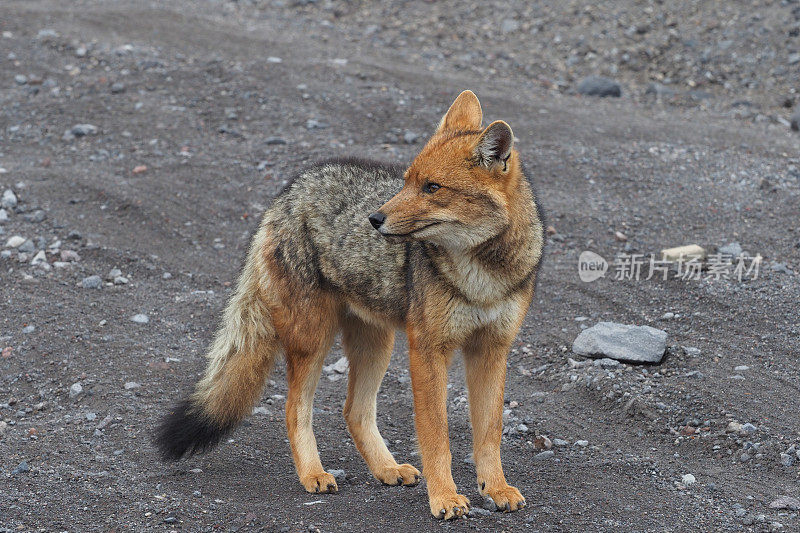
x=447 y=250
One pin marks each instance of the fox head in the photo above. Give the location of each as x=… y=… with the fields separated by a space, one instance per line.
x=457 y=190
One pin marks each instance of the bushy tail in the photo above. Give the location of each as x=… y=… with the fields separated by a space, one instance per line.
x=240 y=359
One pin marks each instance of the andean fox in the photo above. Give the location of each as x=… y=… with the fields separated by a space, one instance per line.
x=446 y=250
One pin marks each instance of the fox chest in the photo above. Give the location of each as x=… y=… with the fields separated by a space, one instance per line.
x=464 y=318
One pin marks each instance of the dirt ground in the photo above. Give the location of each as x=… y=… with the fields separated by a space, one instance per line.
x=204 y=109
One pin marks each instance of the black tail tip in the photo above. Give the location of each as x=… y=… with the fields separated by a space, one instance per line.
x=186 y=431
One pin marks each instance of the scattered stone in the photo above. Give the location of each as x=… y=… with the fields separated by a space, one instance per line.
x=36 y=216
x=21 y=79
x=688 y=479
x=541 y=456
x=668 y=315
x=314 y=124
x=582 y=443
x=742 y=368
x=733 y=427
x=785 y=502
x=522 y=428
x=734 y=249
x=113 y=273
x=787 y=460
x=340 y=366
x=660 y=90
x=509 y=26
x=139 y=169
x=75 y=390
x=91 y=417
x=599 y=86
x=92 y=282
x=140 y=318
x=15 y=242
x=749 y=428
x=69 y=256
x=9 y=199
x=795 y=121
x=275 y=140
x=475 y=512
x=560 y=442
x=21 y=468
x=120 y=280
x=637 y=344
x=685 y=253
x=79 y=130
x=40 y=259
x=27 y=247
x=117 y=88
x=337 y=474
x=409 y=137
x=129 y=385
x=29 y=329
x=260 y=410
x=3 y=216
x=166 y=275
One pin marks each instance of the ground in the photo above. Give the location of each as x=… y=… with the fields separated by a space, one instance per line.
x=203 y=110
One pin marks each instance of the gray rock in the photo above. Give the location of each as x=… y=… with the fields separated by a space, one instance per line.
x=314 y=124
x=410 y=137
x=92 y=282
x=636 y=344
x=599 y=86
x=785 y=502
x=15 y=241
x=9 y=199
x=475 y=512
x=749 y=428
x=21 y=79
x=140 y=318
x=21 y=468
x=509 y=26
x=560 y=442
x=117 y=88
x=733 y=249
x=27 y=247
x=75 y=390
x=582 y=443
x=275 y=140
x=113 y=273
x=129 y=385
x=660 y=91
x=337 y=474
x=794 y=59
x=29 y=329
x=79 y=130
x=542 y=456
x=787 y=459
x=3 y=216
x=37 y=216
x=795 y=121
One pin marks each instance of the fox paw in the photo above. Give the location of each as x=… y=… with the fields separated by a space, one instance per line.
x=398 y=475
x=506 y=498
x=449 y=506
x=321 y=482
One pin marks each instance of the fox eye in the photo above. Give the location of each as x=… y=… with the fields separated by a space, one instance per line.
x=431 y=187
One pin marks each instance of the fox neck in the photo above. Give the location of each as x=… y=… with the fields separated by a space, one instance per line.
x=489 y=272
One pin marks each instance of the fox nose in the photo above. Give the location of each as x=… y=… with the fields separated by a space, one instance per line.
x=377 y=219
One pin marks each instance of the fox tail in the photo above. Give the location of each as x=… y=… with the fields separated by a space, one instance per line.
x=239 y=361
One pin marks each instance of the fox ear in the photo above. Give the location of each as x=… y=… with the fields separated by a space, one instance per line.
x=464 y=114
x=494 y=145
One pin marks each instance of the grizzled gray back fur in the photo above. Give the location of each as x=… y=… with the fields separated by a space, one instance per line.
x=323 y=235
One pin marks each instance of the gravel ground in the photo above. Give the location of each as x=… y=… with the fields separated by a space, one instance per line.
x=140 y=142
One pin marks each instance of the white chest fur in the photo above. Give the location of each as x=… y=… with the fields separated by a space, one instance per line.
x=473 y=280
x=466 y=317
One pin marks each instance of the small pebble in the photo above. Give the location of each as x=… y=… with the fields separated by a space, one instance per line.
x=92 y=282
x=140 y=318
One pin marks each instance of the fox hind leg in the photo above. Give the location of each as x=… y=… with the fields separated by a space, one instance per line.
x=306 y=339
x=368 y=348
